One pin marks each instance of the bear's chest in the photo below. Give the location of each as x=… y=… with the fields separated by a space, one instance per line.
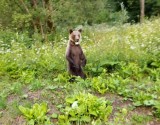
x=76 y=50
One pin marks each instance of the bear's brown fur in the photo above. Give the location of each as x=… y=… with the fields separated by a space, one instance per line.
x=74 y=54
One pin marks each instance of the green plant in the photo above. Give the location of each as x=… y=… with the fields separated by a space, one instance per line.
x=16 y=88
x=99 y=84
x=62 y=78
x=120 y=117
x=84 y=83
x=157 y=109
x=13 y=107
x=27 y=76
x=36 y=85
x=3 y=102
x=131 y=70
x=140 y=119
x=36 y=115
x=108 y=82
x=85 y=108
x=143 y=98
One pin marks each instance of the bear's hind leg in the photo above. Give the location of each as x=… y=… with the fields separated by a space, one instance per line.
x=82 y=74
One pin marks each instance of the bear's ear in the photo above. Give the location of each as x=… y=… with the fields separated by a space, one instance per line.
x=70 y=31
x=80 y=30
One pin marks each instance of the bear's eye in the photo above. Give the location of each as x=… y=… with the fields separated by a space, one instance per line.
x=73 y=36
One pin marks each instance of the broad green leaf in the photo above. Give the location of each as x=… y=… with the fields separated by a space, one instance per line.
x=54 y=115
x=149 y=102
x=85 y=119
x=31 y=122
x=137 y=103
x=73 y=119
x=70 y=100
x=91 y=112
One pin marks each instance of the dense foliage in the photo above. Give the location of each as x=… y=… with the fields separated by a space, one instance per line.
x=152 y=8
x=46 y=16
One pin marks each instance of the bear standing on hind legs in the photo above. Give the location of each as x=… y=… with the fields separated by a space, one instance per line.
x=74 y=54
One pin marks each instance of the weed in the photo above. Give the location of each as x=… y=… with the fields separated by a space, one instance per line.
x=13 y=108
x=120 y=117
x=3 y=103
x=84 y=108
x=36 y=115
x=140 y=119
x=36 y=85
x=16 y=88
x=157 y=111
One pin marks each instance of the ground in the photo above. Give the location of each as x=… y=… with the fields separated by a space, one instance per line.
x=55 y=97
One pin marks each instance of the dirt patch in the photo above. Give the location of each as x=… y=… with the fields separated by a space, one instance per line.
x=20 y=121
x=34 y=95
x=118 y=102
x=143 y=110
x=12 y=98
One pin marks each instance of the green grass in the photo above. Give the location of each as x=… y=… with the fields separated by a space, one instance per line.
x=140 y=119
x=123 y=66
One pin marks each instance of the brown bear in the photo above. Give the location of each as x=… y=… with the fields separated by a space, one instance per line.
x=74 y=54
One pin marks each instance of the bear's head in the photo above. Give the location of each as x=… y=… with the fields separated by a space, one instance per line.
x=75 y=36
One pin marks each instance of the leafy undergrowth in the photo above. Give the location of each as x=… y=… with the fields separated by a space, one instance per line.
x=122 y=85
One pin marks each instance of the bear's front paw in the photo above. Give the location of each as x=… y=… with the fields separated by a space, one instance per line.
x=83 y=64
x=77 y=67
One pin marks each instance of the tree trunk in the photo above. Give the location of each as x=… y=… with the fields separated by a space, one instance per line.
x=142 y=10
x=40 y=22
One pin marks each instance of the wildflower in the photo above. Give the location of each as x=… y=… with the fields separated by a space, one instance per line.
x=75 y=104
x=142 y=45
x=132 y=47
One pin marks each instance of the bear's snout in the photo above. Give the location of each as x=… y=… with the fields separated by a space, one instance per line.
x=77 y=40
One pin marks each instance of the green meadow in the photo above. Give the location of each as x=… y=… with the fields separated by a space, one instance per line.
x=122 y=85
